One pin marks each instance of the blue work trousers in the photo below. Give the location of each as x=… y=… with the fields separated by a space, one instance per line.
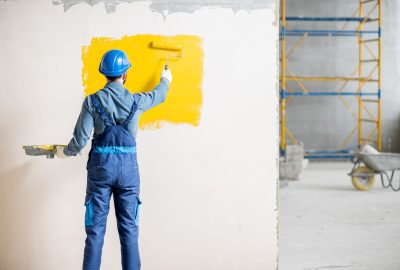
x=117 y=175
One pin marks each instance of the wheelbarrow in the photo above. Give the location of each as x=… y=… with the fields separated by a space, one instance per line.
x=369 y=162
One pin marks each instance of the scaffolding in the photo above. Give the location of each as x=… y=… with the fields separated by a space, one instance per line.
x=366 y=78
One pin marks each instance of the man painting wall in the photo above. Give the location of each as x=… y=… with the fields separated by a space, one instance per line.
x=113 y=113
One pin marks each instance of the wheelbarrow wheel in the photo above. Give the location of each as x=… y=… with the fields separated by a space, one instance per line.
x=363 y=178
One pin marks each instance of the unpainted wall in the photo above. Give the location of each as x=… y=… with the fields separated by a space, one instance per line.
x=208 y=191
x=168 y=7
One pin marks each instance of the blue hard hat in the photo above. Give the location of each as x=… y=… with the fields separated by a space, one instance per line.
x=114 y=63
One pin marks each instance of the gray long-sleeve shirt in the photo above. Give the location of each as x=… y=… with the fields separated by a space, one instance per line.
x=117 y=102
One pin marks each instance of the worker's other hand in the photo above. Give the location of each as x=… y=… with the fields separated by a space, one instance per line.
x=166 y=74
x=60 y=152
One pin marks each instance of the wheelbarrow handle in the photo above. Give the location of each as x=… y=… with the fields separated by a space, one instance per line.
x=355 y=159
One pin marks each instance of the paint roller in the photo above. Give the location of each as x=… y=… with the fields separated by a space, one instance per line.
x=168 y=47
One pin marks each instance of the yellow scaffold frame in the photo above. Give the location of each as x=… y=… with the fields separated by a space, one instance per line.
x=364 y=37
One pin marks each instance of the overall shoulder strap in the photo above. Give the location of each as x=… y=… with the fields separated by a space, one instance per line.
x=100 y=110
x=128 y=120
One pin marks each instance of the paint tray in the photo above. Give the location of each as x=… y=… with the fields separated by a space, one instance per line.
x=47 y=150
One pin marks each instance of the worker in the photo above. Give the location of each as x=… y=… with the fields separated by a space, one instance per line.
x=113 y=113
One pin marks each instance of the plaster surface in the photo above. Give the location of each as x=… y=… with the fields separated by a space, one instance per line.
x=165 y=6
x=208 y=191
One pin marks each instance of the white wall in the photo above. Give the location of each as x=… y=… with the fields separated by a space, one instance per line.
x=209 y=192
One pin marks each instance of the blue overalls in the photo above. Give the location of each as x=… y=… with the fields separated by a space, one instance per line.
x=112 y=169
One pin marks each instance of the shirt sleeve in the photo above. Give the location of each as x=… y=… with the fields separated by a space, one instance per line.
x=83 y=130
x=156 y=96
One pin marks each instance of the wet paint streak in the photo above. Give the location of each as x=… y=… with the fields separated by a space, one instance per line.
x=169 y=7
x=184 y=100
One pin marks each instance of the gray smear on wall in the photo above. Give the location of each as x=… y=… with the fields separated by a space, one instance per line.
x=168 y=7
x=324 y=122
x=110 y=5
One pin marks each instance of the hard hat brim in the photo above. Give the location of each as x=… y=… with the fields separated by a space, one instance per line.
x=114 y=73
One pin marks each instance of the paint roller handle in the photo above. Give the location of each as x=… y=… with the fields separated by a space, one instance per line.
x=166 y=74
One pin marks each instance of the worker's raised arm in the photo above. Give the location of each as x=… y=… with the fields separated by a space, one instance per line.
x=83 y=130
x=158 y=95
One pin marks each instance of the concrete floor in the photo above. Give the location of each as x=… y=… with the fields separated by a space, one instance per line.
x=326 y=224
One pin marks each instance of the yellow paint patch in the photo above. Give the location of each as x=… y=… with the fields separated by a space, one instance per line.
x=184 y=99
